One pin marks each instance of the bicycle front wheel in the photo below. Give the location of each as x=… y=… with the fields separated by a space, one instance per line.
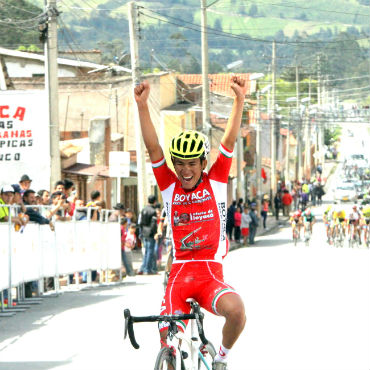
x=205 y=356
x=165 y=360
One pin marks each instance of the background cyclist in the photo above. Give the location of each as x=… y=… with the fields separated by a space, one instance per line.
x=200 y=244
x=354 y=219
x=296 y=222
x=308 y=219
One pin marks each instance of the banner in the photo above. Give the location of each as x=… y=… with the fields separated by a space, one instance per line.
x=24 y=137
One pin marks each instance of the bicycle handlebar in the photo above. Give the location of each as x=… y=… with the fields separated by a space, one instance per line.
x=130 y=320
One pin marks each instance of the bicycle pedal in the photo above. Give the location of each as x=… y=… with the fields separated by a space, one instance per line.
x=184 y=355
x=194 y=339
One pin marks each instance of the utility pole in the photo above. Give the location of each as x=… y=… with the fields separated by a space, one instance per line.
x=299 y=124
x=319 y=121
x=273 y=121
x=140 y=149
x=51 y=87
x=258 y=155
x=205 y=87
x=307 y=140
x=287 y=151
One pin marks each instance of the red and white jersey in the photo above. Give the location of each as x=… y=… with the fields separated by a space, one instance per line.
x=198 y=216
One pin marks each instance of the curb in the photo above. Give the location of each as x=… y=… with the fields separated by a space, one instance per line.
x=268 y=230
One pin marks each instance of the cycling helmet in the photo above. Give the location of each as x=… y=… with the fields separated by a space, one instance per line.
x=189 y=144
x=308 y=211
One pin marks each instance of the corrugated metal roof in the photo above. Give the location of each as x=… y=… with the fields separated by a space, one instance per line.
x=62 y=61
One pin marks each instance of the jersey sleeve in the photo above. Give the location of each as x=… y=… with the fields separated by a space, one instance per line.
x=164 y=176
x=221 y=168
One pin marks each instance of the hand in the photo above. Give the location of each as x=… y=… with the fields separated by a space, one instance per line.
x=141 y=93
x=239 y=86
x=52 y=228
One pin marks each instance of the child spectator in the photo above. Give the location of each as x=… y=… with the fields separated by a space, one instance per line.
x=128 y=240
x=237 y=223
x=246 y=220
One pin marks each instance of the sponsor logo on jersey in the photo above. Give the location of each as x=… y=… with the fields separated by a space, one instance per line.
x=199 y=196
x=222 y=212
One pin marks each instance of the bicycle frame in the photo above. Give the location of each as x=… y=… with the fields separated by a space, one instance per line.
x=176 y=338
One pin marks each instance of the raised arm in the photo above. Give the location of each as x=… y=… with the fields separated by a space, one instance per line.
x=238 y=85
x=150 y=137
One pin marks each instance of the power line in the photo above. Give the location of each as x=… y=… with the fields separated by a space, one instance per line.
x=246 y=38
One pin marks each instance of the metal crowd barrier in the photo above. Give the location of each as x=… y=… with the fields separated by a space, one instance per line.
x=35 y=253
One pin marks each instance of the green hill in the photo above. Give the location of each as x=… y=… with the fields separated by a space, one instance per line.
x=169 y=31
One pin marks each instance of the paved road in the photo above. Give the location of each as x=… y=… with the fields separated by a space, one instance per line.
x=307 y=308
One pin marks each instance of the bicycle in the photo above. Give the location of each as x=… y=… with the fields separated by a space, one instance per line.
x=171 y=356
x=307 y=234
x=339 y=235
x=352 y=236
x=367 y=235
x=295 y=235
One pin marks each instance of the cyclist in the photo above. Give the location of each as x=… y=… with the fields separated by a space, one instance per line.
x=308 y=219
x=354 y=219
x=328 y=222
x=366 y=215
x=339 y=218
x=200 y=243
x=296 y=222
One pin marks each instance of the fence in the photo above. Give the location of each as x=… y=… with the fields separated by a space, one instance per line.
x=36 y=252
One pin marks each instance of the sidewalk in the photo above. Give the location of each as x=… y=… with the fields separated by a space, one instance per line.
x=271 y=225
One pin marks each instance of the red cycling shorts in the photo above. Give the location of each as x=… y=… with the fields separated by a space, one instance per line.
x=201 y=280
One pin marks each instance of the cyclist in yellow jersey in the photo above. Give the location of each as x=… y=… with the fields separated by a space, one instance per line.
x=339 y=217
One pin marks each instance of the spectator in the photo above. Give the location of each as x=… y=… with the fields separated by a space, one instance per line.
x=128 y=240
x=237 y=223
x=277 y=204
x=119 y=211
x=24 y=183
x=95 y=199
x=286 y=200
x=319 y=168
x=246 y=220
x=80 y=212
x=148 y=229
x=253 y=224
x=71 y=196
x=6 y=198
x=159 y=239
x=44 y=196
x=59 y=186
x=58 y=203
x=129 y=214
x=264 y=210
x=320 y=192
x=29 y=198
x=230 y=220
x=19 y=211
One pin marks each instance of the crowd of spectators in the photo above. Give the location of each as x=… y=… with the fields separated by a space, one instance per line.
x=242 y=222
x=62 y=204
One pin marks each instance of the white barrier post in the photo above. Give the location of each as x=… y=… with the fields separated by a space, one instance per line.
x=10 y=284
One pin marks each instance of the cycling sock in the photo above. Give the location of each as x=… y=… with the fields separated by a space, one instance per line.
x=222 y=354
